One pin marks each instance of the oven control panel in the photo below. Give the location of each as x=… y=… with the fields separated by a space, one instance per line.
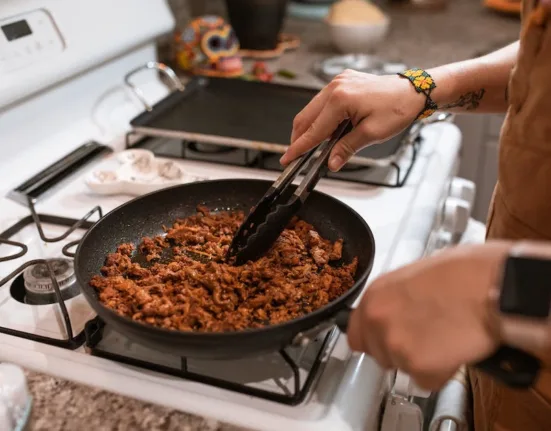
x=28 y=38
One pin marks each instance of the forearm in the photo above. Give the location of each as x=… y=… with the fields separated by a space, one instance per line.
x=477 y=85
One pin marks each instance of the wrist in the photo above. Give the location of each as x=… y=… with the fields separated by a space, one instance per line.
x=494 y=319
x=422 y=84
x=444 y=93
x=414 y=102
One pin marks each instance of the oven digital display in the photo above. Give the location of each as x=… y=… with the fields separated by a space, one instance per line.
x=16 y=30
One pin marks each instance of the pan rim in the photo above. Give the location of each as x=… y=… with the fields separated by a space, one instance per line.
x=162 y=332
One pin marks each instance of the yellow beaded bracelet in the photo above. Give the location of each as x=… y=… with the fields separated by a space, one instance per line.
x=424 y=84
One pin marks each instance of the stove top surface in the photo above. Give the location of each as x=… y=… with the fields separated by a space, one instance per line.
x=29 y=302
x=285 y=377
x=36 y=250
x=334 y=379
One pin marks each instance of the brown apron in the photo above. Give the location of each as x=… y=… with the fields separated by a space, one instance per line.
x=521 y=208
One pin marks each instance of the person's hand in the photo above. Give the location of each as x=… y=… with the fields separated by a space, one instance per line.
x=380 y=107
x=433 y=316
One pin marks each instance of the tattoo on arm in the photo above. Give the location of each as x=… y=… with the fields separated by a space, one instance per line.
x=470 y=101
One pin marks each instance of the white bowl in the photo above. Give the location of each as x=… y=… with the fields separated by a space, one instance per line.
x=358 y=38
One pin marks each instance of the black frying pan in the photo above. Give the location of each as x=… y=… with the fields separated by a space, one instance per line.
x=145 y=215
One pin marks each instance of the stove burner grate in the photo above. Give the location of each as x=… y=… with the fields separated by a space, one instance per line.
x=300 y=387
x=60 y=288
x=22 y=249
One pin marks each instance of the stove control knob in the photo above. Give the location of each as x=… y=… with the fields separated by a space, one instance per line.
x=463 y=189
x=443 y=240
x=455 y=217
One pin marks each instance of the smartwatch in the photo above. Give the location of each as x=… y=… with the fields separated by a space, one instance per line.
x=524 y=306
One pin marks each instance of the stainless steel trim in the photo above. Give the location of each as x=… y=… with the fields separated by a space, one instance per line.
x=161 y=67
x=261 y=146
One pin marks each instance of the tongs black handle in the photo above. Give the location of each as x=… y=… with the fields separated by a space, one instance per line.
x=263 y=207
x=316 y=171
x=270 y=215
x=319 y=167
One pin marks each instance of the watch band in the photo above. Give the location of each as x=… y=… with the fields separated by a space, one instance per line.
x=512 y=367
x=526 y=285
x=525 y=294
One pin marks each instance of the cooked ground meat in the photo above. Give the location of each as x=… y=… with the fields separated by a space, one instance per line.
x=194 y=289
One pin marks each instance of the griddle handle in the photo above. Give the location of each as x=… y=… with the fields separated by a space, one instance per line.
x=161 y=67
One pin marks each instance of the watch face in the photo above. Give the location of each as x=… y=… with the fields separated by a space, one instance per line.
x=526 y=288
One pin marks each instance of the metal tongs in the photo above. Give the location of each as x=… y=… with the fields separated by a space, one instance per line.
x=275 y=210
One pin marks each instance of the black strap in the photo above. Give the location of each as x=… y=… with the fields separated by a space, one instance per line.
x=512 y=367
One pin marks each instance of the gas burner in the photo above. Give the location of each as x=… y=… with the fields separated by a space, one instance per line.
x=35 y=286
x=209 y=148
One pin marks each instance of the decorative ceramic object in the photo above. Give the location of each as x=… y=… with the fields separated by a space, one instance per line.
x=208 y=46
x=139 y=172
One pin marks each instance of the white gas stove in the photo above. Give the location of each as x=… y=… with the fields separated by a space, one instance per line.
x=61 y=86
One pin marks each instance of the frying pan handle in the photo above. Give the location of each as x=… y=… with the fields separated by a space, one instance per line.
x=342 y=318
